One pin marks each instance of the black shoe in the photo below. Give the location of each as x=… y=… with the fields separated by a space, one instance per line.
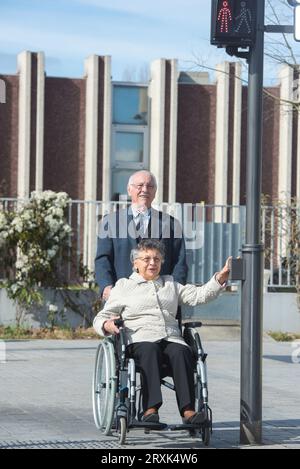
x=151 y=418
x=197 y=419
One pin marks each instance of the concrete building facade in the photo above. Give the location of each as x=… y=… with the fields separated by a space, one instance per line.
x=86 y=135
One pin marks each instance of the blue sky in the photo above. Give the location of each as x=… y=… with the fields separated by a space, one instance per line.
x=133 y=32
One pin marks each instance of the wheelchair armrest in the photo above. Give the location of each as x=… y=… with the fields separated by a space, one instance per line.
x=193 y=324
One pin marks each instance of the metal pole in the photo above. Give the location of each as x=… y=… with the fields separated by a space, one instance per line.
x=252 y=288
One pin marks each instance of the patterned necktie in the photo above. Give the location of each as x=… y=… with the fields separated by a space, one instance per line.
x=140 y=227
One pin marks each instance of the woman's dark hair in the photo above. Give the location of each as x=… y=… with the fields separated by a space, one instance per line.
x=146 y=244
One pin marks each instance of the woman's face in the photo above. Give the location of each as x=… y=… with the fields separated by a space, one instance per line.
x=148 y=264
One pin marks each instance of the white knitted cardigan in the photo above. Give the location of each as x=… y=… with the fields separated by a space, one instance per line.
x=149 y=308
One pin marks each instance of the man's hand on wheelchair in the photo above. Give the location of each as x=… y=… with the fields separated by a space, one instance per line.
x=106 y=292
x=110 y=327
x=223 y=275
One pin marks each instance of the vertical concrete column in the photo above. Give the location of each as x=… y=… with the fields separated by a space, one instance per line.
x=298 y=142
x=221 y=155
x=2 y=92
x=24 y=71
x=107 y=123
x=157 y=96
x=91 y=155
x=285 y=134
x=173 y=131
x=40 y=114
x=237 y=131
x=285 y=154
x=92 y=66
x=298 y=161
x=91 y=126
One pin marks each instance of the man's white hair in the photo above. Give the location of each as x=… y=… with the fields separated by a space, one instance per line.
x=130 y=181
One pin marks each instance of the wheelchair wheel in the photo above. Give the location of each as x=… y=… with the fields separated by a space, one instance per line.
x=122 y=430
x=104 y=386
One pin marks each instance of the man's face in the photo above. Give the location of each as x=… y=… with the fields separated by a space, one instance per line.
x=142 y=190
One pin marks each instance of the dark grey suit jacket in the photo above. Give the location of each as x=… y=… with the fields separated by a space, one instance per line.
x=117 y=237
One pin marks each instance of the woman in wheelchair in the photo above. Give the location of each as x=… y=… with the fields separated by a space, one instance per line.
x=148 y=304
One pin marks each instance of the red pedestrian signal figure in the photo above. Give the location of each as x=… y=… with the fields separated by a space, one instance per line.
x=224 y=17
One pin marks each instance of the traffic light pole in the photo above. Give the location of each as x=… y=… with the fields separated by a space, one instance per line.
x=252 y=286
x=238 y=25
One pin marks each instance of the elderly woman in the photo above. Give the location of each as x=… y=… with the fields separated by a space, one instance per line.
x=148 y=304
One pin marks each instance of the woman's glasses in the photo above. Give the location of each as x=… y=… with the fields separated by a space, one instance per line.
x=147 y=260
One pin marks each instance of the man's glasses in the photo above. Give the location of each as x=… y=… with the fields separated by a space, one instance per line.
x=140 y=186
x=147 y=260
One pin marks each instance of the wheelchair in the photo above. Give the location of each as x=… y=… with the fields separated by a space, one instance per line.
x=117 y=398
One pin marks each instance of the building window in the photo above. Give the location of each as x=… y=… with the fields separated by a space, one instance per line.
x=120 y=180
x=130 y=105
x=130 y=147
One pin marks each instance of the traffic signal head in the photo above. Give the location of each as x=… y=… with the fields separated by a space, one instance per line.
x=233 y=22
x=296 y=5
x=297 y=20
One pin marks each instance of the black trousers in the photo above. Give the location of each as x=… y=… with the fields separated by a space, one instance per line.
x=150 y=356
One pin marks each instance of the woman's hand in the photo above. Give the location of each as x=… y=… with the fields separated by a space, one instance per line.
x=110 y=327
x=223 y=275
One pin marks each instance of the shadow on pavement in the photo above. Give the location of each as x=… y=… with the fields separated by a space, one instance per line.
x=280 y=358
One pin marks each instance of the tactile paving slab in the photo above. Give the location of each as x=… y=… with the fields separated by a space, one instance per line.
x=56 y=444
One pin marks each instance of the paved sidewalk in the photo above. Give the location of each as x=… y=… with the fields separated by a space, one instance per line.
x=45 y=389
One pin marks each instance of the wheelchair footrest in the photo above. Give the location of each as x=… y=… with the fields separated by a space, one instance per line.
x=148 y=425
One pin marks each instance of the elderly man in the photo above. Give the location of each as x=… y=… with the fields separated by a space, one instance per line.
x=121 y=231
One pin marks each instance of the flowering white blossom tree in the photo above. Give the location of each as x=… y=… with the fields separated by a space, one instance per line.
x=35 y=237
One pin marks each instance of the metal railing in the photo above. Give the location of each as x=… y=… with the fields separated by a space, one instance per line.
x=281 y=239
x=211 y=232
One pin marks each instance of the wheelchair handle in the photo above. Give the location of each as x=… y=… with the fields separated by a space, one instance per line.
x=119 y=322
x=193 y=324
